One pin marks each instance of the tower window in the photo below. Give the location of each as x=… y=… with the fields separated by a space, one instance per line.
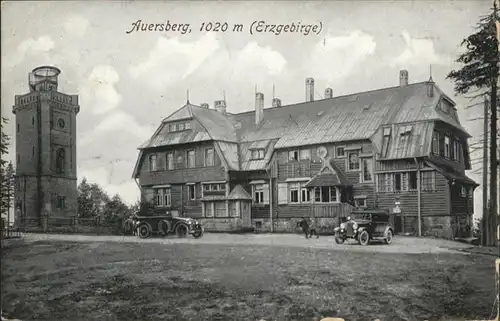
x=33 y=120
x=61 y=123
x=33 y=150
x=61 y=160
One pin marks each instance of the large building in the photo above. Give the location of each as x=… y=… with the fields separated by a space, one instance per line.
x=401 y=149
x=45 y=120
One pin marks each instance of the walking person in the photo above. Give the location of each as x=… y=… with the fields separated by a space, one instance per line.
x=312 y=228
x=304 y=225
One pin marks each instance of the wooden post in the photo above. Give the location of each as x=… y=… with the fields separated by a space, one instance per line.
x=485 y=217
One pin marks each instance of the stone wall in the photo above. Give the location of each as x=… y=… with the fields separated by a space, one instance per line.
x=323 y=225
x=223 y=225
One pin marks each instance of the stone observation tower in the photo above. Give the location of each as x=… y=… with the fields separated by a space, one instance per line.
x=46 y=178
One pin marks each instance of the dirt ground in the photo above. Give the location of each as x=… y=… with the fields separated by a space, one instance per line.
x=241 y=277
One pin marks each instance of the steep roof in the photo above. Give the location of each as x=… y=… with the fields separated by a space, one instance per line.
x=355 y=116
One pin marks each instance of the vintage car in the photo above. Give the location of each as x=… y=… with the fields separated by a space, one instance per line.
x=365 y=226
x=163 y=225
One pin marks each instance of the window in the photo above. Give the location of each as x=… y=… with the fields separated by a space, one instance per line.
x=166 y=197
x=220 y=209
x=470 y=191
x=209 y=157
x=435 y=143
x=18 y=159
x=353 y=161
x=18 y=128
x=367 y=173
x=191 y=192
x=294 y=192
x=397 y=182
x=305 y=154
x=188 y=125
x=340 y=151
x=446 y=146
x=453 y=151
x=456 y=150
x=179 y=159
x=258 y=193
x=60 y=123
x=33 y=120
x=191 y=159
x=60 y=160
x=163 y=197
x=152 y=163
x=412 y=178
x=463 y=191
x=326 y=194
x=360 y=202
x=257 y=154
x=293 y=155
x=33 y=150
x=209 y=212
x=173 y=127
x=181 y=126
x=61 y=202
x=428 y=181
x=305 y=195
x=170 y=161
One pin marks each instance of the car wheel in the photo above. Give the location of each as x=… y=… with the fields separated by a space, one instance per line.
x=339 y=240
x=198 y=234
x=181 y=230
x=364 y=238
x=144 y=231
x=388 y=237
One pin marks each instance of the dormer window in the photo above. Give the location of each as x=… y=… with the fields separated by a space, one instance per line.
x=293 y=155
x=257 y=154
x=177 y=127
x=406 y=130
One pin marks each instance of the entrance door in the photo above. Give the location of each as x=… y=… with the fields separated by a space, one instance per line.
x=398 y=226
x=246 y=219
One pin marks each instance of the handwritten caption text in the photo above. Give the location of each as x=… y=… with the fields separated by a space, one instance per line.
x=256 y=27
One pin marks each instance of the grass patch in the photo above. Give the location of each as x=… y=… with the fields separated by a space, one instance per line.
x=113 y=281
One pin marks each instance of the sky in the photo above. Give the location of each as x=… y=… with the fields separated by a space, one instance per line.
x=129 y=82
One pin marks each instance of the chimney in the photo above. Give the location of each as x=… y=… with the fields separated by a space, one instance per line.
x=220 y=106
x=309 y=89
x=403 y=78
x=204 y=105
x=328 y=93
x=259 y=108
x=276 y=102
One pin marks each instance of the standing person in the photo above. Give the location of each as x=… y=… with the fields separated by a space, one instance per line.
x=312 y=227
x=305 y=226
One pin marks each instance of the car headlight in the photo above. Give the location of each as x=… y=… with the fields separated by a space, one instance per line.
x=355 y=226
x=342 y=225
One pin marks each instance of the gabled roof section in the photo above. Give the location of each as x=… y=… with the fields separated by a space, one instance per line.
x=329 y=175
x=218 y=125
x=408 y=140
x=246 y=161
x=182 y=113
x=239 y=193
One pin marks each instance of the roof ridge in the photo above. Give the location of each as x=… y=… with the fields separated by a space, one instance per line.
x=333 y=98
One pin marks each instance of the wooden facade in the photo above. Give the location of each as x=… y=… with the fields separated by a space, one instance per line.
x=414 y=169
